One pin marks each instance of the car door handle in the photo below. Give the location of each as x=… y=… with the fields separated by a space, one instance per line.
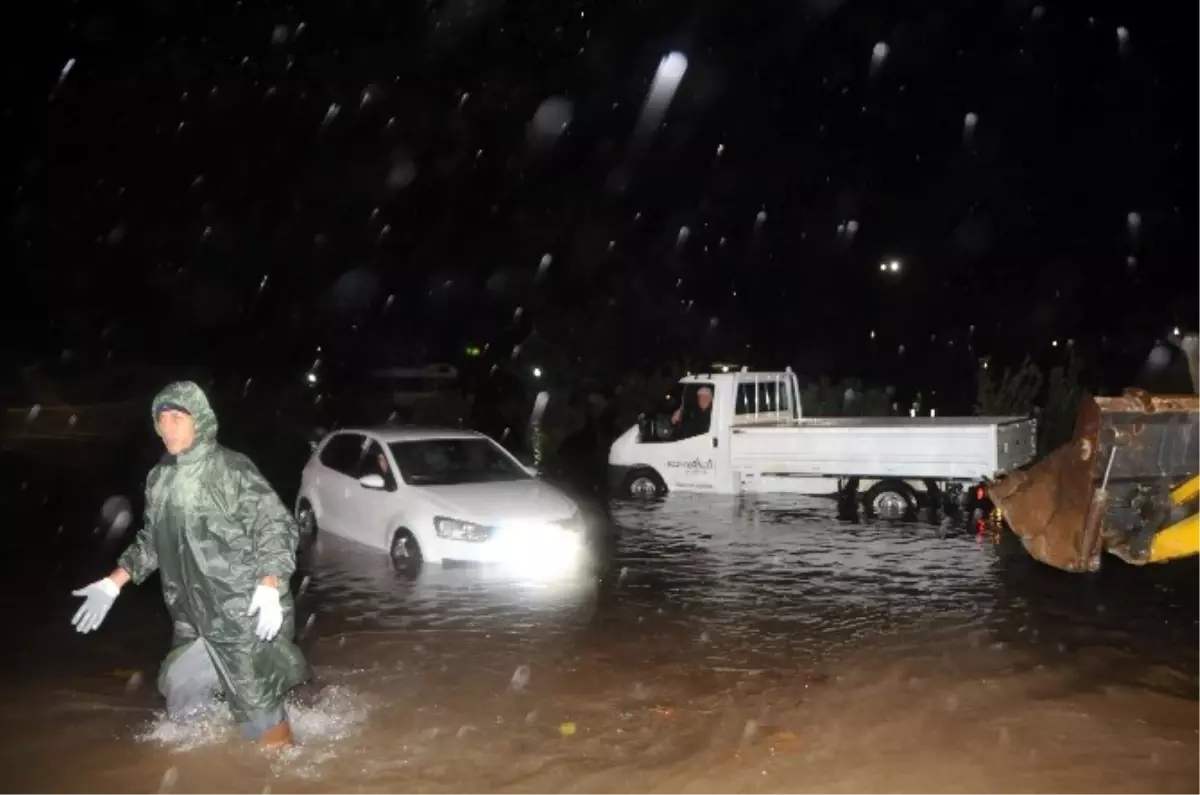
x=715 y=441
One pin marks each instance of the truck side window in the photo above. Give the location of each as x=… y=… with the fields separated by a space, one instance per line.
x=766 y=397
x=695 y=411
x=784 y=395
x=763 y=401
x=746 y=398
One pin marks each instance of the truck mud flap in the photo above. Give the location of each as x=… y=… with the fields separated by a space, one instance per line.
x=1109 y=488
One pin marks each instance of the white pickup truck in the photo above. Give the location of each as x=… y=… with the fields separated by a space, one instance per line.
x=744 y=432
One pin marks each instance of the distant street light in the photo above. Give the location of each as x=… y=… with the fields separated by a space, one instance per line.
x=537 y=372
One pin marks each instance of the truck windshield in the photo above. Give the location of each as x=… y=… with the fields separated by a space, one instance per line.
x=451 y=462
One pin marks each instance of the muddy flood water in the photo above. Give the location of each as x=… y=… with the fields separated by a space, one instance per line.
x=735 y=646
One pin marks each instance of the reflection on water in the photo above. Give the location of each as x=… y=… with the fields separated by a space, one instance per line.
x=735 y=645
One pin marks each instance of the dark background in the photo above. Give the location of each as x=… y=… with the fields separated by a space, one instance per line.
x=232 y=185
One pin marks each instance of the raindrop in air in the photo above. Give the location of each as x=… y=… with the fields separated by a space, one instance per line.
x=521 y=677
x=551 y=119
x=402 y=172
x=62 y=76
x=169 y=779
x=684 y=233
x=117 y=513
x=879 y=54
x=667 y=78
x=970 y=121
x=331 y=113
x=135 y=682
x=1123 y=39
x=672 y=67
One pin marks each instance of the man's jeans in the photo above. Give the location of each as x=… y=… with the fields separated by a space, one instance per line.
x=191 y=686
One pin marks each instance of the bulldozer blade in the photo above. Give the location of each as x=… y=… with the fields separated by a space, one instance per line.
x=1109 y=488
x=1050 y=508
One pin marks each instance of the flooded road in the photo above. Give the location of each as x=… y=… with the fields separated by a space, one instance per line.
x=736 y=646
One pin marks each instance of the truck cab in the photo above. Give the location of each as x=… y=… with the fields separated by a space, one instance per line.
x=688 y=449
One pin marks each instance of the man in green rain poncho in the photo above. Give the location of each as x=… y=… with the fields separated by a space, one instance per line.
x=225 y=547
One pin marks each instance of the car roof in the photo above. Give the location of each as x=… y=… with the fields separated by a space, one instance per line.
x=410 y=433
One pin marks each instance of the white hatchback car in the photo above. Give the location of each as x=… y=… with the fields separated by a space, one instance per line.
x=438 y=495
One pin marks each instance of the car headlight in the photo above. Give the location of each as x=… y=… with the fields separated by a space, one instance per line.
x=458 y=530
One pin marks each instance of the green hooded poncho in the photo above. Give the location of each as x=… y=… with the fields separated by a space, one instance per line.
x=214 y=528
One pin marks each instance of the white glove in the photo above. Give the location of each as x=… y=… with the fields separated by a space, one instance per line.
x=270 y=612
x=100 y=596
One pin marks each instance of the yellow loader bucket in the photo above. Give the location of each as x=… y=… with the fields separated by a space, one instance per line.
x=1126 y=483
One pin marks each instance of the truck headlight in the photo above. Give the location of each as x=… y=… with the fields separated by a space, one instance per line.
x=458 y=530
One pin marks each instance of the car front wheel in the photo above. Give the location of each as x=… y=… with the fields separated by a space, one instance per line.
x=405 y=553
x=306 y=519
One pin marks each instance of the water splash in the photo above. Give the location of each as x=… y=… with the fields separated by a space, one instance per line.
x=333 y=716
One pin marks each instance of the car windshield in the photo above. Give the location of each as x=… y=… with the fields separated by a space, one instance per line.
x=449 y=462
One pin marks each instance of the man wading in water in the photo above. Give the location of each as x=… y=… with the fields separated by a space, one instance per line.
x=225 y=547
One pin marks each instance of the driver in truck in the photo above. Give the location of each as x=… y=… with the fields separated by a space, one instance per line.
x=695 y=419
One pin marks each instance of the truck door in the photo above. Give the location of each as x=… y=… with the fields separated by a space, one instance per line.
x=689 y=459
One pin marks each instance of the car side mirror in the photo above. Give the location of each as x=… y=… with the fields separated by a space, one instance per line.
x=373 y=481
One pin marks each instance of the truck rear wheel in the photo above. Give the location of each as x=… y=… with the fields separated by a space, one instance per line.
x=891 y=499
x=644 y=484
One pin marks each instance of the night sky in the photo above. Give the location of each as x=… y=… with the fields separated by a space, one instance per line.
x=234 y=184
